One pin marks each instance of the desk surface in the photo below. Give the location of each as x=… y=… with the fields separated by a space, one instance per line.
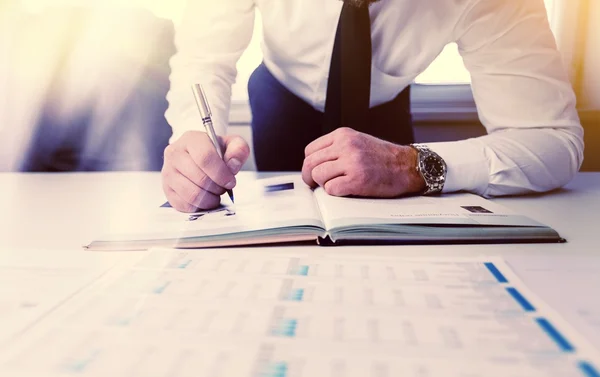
x=46 y=218
x=66 y=211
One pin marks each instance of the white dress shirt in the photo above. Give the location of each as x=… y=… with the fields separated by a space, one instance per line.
x=522 y=92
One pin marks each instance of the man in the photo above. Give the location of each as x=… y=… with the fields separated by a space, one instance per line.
x=317 y=108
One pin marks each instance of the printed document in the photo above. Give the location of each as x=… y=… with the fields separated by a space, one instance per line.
x=314 y=312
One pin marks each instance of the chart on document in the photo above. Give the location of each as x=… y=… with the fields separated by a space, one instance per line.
x=263 y=314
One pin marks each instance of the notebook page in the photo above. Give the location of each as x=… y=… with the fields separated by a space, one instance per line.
x=259 y=204
x=463 y=209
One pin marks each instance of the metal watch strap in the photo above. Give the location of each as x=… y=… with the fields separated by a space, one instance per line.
x=434 y=185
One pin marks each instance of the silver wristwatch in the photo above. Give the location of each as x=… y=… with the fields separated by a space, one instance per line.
x=432 y=168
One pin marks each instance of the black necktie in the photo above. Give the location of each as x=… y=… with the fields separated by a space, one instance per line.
x=349 y=85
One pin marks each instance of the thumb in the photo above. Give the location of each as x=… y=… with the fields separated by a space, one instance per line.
x=237 y=152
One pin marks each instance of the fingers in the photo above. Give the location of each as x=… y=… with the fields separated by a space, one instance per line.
x=183 y=163
x=194 y=176
x=339 y=186
x=176 y=202
x=237 y=152
x=326 y=148
x=312 y=161
x=327 y=171
x=342 y=133
x=185 y=183
x=184 y=195
x=318 y=144
x=203 y=153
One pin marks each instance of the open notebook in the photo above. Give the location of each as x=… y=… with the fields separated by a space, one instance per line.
x=284 y=209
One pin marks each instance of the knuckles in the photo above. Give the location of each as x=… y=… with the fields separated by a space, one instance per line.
x=356 y=143
x=309 y=162
x=236 y=145
x=337 y=188
x=245 y=149
x=203 y=157
x=209 y=201
x=351 y=142
x=177 y=203
x=344 y=133
x=358 y=156
x=361 y=177
x=204 y=181
x=169 y=153
x=185 y=208
x=319 y=175
x=191 y=195
x=332 y=189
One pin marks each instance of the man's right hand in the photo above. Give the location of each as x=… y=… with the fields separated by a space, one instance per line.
x=194 y=176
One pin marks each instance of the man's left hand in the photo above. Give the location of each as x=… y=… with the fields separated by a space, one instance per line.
x=346 y=162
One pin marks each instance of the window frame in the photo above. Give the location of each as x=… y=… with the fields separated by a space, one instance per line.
x=429 y=103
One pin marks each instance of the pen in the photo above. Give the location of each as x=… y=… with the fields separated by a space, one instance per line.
x=206 y=114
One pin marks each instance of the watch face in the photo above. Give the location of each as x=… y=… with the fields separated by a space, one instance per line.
x=433 y=167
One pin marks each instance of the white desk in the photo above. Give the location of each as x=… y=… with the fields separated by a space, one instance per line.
x=46 y=218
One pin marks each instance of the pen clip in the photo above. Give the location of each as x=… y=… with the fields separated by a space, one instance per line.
x=203 y=105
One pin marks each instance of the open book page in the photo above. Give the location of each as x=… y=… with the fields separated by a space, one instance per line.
x=259 y=205
x=453 y=209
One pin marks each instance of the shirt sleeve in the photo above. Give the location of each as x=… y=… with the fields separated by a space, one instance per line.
x=524 y=100
x=210 y=40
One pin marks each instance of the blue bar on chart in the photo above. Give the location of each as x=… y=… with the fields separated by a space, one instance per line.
x=279 y=369
x=296 y=295
x=121 y=322
x=286 y=328
x=496 y=272
x=556 y=336
x=525 y=304
x=300 y=270
x=295 y=268
x=79 y=365
x=161 y=288
x=588 y=369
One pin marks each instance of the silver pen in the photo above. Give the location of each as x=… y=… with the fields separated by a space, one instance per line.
x=206 y=114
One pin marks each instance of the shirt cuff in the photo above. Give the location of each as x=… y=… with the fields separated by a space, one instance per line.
x=467 y=165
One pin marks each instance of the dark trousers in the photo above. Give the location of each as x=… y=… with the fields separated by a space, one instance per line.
x=283 y=124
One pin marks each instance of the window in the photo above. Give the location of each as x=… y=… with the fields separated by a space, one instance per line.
x=448 y=68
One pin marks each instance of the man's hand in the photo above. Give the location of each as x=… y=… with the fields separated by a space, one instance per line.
x=194 y=176
x=346 y=162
